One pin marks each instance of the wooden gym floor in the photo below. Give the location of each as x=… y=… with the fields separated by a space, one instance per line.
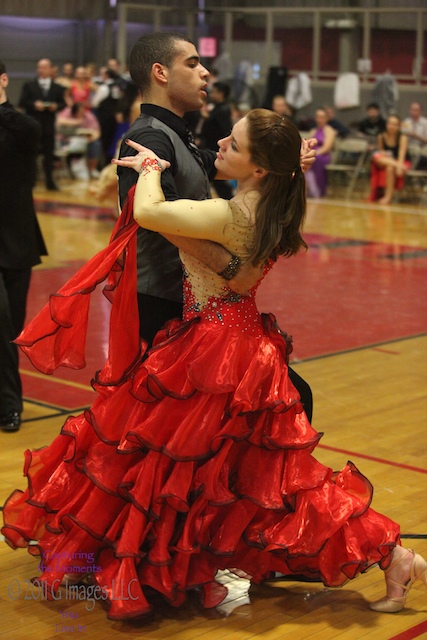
x=356 y=306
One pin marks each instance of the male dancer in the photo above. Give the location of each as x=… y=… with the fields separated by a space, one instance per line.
x=167 y=70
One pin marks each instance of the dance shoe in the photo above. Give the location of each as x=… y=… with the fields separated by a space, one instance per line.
x=418 y=571
x=11 y=421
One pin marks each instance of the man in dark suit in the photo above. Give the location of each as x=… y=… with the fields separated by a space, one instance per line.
x=42 y=98
x=21 y=243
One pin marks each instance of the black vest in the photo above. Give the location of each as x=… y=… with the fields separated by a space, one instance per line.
x=159 y=266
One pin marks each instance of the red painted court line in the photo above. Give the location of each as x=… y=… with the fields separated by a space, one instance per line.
x=393 y=353
x=415 y=632
x=373 y=459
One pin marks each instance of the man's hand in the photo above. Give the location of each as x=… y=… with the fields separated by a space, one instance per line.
x=308 y=153
x=246 y=278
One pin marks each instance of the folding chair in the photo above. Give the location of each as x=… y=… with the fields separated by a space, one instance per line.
x=415 y=185
x=348 y=158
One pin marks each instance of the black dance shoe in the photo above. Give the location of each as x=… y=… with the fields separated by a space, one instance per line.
x=10 y=422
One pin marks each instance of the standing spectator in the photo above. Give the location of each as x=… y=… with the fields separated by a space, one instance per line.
x=81 y=88
x=317 y=175
x=415 y=127
x=21 y=243
x=281 y=107
x=373 y=123
x=42 y=98
x=218 y=125
x=105 y=103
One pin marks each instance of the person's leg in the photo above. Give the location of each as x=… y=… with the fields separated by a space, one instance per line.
x=154 y=313
x=390 y=178
x=48 y=143
x=14 y=286
x=406 y=567
x=304 y=390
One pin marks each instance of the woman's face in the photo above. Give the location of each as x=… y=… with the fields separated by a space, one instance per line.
x=321 y=118
x=393 y=124
x=234 y=159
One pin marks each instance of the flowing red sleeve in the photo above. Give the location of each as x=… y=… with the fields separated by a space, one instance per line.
x=57 y=335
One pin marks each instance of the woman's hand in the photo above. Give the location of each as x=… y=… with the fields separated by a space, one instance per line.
x=135 y=162
x=308 y=153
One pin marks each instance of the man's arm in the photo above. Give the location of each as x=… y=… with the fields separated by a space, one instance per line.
x=25 y=130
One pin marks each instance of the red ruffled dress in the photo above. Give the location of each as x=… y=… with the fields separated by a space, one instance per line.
x=193 y=459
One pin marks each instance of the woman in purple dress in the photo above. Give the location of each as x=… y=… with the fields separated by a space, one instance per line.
x=317 y=176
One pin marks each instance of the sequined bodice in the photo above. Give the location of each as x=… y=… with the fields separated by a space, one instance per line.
x=207 y=295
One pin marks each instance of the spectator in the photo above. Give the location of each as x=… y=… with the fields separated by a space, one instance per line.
x=373 y=124
x=342 y=130
x=317 y=175
x=415 y=127
x=42 y=98
x=66 y=77
x=78 y=121
x=390 y=163
x=281 y=107
x=216 y=126
x=105 y=103
x=21 y=244
x=81 y=88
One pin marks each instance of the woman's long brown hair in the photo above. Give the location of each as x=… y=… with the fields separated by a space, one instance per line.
x=274 y=145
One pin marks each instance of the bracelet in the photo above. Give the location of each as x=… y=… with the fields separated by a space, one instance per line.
x=150 y=162
x=231 y=269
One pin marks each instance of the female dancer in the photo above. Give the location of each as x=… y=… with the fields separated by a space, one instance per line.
x=197 y=457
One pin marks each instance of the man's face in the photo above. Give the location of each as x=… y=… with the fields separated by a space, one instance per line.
x=415 y=111
x=187 y=79
x=44 y=69
x=373 y=114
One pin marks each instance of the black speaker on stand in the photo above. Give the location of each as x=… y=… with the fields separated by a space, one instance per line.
x=276 y=84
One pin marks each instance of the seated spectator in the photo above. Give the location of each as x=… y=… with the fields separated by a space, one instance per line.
x=415 y=127
x=81 y=133
x=342 y=130
x=317 y=175
x=389 y=163
x=373 y=124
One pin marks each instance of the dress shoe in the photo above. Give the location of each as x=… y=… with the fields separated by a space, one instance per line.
x=418 y=571
x=11 y=421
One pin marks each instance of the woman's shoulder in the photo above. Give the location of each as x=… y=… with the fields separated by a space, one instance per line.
x=240 y=213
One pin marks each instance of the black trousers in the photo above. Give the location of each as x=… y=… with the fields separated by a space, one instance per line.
x=47 y=149
x=14 y=285
x=154 y=312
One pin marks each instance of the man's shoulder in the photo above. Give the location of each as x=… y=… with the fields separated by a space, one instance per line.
x=146 y=125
